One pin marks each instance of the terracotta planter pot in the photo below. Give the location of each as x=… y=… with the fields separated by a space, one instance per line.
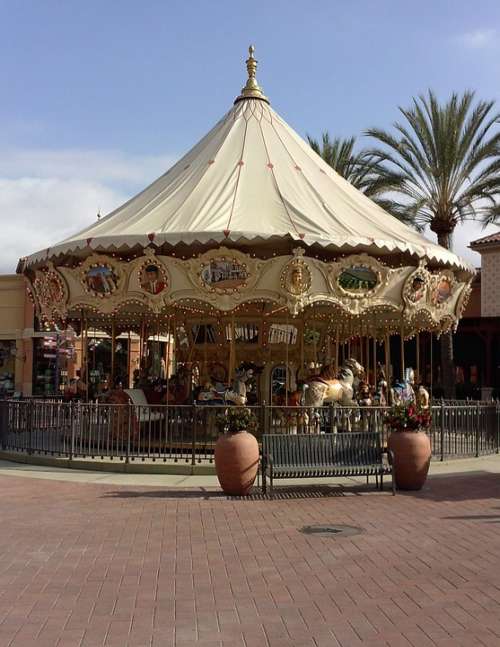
x=412 y=456
x=237 y=462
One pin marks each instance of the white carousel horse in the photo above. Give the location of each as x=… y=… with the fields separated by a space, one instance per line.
x=237 y=394
x=326 y=387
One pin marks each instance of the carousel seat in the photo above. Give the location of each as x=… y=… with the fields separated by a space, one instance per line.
x=144 y=411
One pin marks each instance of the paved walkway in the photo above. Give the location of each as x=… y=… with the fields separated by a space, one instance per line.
x=94 y=563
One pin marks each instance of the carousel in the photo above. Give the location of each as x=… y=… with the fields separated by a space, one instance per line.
x=261 y=269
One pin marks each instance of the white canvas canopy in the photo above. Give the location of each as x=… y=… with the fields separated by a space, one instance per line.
x=252 y=177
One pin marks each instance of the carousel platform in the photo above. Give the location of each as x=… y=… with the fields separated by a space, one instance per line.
x=146 y=465
x=90 y=472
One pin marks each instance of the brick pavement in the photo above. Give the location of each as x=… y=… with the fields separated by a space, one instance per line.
x=90 y=565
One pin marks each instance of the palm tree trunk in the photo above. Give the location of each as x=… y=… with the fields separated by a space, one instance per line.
x=447 y=355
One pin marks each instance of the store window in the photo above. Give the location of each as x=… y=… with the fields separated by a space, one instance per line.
x=7 y=367
x=53 y=355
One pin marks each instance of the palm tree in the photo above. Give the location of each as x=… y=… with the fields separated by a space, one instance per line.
x=447 y=159
x=361 y=169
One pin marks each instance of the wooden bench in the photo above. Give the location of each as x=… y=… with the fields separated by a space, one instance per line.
x=318 y=455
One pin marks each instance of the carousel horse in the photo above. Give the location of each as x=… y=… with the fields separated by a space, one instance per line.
x=422 y=397
x=237 y=394
x=179 y=387
x=382 y=394
x=402 y=392
x=327 y=387
x=208 y=394
x=290 y=398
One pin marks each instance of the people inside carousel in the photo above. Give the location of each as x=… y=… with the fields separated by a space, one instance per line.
x=207 y=394
x=364 y=395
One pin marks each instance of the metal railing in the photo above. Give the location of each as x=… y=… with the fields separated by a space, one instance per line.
x=187 y=433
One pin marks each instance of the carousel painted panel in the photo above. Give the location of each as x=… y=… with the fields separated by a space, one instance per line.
x=358 y=277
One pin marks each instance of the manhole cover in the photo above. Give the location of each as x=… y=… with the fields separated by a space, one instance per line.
x=331 y=531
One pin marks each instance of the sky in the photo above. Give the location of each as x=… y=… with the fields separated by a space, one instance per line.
x=98 y=98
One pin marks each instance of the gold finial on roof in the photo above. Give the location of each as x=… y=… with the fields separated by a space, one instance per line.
x=252 y=90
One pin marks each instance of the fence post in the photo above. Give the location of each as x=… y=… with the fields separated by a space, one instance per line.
x=263 y=419
x=29 y=420
x=129 y=429
x=478 y=417
x=193 y=442
x=4 y=422
x=72 y=430
x=442 y=430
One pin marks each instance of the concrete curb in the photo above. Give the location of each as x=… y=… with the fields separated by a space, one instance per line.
x=116 y=466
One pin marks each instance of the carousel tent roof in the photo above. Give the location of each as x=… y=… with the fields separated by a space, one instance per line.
x=252 y=177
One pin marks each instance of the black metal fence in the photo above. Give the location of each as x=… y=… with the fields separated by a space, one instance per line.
x=188 y=433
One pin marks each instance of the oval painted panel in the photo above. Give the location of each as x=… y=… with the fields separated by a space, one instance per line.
x=443 y=291
x=101 y=279
x=357 y=279
x=224 y=274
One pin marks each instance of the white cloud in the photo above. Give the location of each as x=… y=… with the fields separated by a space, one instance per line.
x=102 y=165
x=479 y=38
x=38 y=212
x=47 y=195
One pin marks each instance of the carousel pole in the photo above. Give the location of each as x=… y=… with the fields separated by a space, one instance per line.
x=86 y=362
x=432 y=365
x=387 y=349
x=113 y=352
x=417 y=359
x=82 y=348
x=232 y=358
x=302 y=362
x=402 y=342
x=287 y=380
x=374 y=362
x=167 y=368
x=129 y=355
x=141 y=344
x=158 y=344
x=367 y=359
x=315 y=349
x=337 y=350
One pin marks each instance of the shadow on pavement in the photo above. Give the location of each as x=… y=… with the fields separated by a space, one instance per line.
x=469 y=486
x=288 y=492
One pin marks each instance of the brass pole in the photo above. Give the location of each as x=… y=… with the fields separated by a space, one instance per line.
x=337 y=350
x=129 y=356
x=368 y=359
x=432 y=365
x=85 y=364
x=113 y=351
x=375 y=362
x=402 y=340
x=286 y=363
x=387 y=349
x=418 y=379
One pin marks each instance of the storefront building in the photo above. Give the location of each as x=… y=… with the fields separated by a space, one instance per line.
x=46 y=363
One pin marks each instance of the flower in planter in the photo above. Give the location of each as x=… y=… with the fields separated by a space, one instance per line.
x=236 y=419
x=408 y=417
